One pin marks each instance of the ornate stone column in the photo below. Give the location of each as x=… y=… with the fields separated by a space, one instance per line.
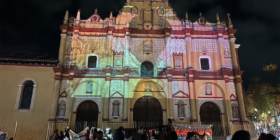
x=168 y=52
x=62 y=48
x=56 y=92
x=233 y=53
x=222 y=52
x=126 y=95
x=106 y=96
x=126 y=104
x=188 y=48
x=169 y=98
x=192 y=97
x=240 y=97
x=228 y=109
x=63 y=39
x=126 y=54
x=70 y=100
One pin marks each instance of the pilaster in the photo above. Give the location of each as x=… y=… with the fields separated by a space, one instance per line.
x=126 y=54
x=188 y=46
x=240 y=96
x=62 y=44
x=126 y=96
x=170 y=100
x=106 y=96
x=193 y=99
x=233 y=53
x=56 y=91
x=222 y=52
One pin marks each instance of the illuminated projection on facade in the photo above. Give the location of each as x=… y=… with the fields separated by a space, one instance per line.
x=144 y=66
x=148 y=60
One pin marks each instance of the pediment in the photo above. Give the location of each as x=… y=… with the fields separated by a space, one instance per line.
x=180 y=94
x=63 y=94
x=116 y=94
x=232 y=97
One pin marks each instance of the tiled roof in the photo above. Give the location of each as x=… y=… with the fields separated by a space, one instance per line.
x=40 y=59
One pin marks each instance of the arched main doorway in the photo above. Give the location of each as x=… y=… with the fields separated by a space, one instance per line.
x=147 y=112
x=210 y=115
x=87 y=115
x=147 y=69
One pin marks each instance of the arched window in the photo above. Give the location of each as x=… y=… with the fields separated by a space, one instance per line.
x=26 y=95
x=181 y=109
x=62 y=108
x=147 y=69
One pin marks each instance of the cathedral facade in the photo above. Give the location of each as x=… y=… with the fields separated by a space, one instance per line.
x=137 y=69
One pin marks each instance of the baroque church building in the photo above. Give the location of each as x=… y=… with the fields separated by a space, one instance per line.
x=137 y=69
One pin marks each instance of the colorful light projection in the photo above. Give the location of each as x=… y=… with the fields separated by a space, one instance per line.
x=200 y=129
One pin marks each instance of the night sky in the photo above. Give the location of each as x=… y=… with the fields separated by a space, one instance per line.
x=32 y=26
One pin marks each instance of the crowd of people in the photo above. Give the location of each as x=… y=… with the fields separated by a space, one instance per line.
x=162 y=133
x=61 y=136
x=245 y=135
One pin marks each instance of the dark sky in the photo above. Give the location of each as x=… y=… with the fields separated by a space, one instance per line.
x=32 y=26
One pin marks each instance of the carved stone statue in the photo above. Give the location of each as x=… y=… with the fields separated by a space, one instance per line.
x=208 y=89
x=178 y=63
x=180 y=110
x=134 y=24
x=147 y=88
x=160 y=24
x=118 y=61
x=115 y=109
x=89 y=87
x=62 y=109
x=234 y=112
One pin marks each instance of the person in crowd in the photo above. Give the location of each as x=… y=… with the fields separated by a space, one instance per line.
x=153 y=134
x=190 y=135
x=128 y=135
x=262 y=136
x=55 y=135
x=67 y=129
x=86 y=135
x=144 y=135
x=241 y=135
x=137 y=136
x=173 y=135
x=61 y=136
x=270 y=137
x=94 y=134
x=99 y=135
x=161 y=135
x=120 y=133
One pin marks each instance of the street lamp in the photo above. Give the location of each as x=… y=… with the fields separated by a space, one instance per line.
x=256 y=117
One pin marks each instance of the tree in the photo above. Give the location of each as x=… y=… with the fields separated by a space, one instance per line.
x=261 y=96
